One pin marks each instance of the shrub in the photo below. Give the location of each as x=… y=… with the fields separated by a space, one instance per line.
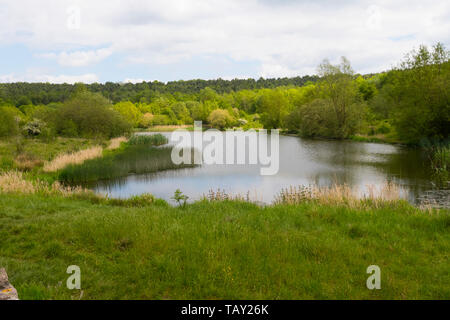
x=34 y=127
x=9 y=121
x=90 y=115
x=220 y=119
x=146 y=120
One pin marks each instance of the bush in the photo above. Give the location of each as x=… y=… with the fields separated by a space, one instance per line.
x=9 y=121
x=146 y=120
x=220 y=119
x=34 y=127
x=90 y=115
x=161 y=119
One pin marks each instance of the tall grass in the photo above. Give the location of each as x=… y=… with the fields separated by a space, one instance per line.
x=440 y=164
x=15 y=182
x=74 y=158
x=221 y=250
x=116 y=142
x=388 y=193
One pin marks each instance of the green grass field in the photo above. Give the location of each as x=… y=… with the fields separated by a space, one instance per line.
x=222 y=250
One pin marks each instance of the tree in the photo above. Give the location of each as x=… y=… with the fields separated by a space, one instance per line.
x=273 y=106
x=220 y=119
x=201 y=111
x=90 y=115
x=129 y=111
x=181 y=112
x=419 y=95
x=9 y=121
x=340 y=89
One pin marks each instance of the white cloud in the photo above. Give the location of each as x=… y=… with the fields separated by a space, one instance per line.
x=285 y=39
x=85 y=78
x=79 y=58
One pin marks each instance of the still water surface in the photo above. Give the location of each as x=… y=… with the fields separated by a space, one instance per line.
x=302 y=162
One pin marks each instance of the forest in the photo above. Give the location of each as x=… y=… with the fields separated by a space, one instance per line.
x=409 y=104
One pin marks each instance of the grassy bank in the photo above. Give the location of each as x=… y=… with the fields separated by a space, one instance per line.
x=222 y=249
x=31 y=154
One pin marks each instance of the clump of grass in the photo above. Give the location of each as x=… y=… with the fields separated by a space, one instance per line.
x=339 y=195
x=26 y=161
x=67 y=159
x=138 y=201
x=13 y=182
x=149 y=140
x=222 y=195
x=440 y=165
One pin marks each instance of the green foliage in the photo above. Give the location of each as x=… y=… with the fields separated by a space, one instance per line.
x=440 y=165
x=34 y=127
x=339 y=88
x=89 y=115
x=273 y=105
x=383 y=128
x=129 y=112
x=138 y=201
x=201 y=111
x=181 y=112
x=180 y=198
x=9 y=121
x=418 y=94
x=148 y=139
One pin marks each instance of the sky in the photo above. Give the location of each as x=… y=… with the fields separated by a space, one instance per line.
x=89 y=41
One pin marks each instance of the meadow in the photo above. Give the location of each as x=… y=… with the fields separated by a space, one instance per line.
x=221 y=249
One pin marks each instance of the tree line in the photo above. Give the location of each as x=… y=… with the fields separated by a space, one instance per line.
x=23 y=93
x=410 y=103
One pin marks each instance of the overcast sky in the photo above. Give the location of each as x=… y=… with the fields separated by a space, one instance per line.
x=134 y=40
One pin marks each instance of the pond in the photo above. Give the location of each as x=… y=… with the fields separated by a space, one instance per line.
x=302 y=162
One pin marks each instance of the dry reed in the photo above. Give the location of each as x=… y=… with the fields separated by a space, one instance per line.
x=340 y=194
x=115 y=143
x=14 y=182
x=79 y=157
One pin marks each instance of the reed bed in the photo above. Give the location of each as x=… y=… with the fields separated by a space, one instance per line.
x=74 y=158
x=116 y=142
x=15 y=182
x=340 y=194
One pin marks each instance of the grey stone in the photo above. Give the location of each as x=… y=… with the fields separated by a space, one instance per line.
x=7 y=291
